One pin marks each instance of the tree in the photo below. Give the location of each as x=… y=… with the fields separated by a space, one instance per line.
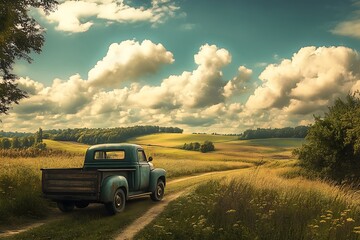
x=332 y=146
x=15 y=143
x=6 y=144
x=39 y=136
x=20 y=34
x=207 y=146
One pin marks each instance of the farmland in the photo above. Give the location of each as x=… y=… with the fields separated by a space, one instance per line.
x=263 y=195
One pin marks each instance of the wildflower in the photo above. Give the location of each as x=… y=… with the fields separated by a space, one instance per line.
x=350 y=220
x=231 y=211
x=357 y=228
x=220 y=229
x=235 y=225
x=329 y=211
x=316 y=226
x=322 y=221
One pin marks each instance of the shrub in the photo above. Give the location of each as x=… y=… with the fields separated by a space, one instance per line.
x=332 y=146
x=207 y=146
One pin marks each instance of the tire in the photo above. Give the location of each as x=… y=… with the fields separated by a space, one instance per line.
x=65 y=206
x=118 y=203
x=81 y=204
x=159 y=191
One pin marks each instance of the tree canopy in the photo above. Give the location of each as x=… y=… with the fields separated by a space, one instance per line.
x=20 y=35
x=332 y=146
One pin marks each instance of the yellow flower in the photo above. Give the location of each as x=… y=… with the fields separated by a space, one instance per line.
x=231 y=211
x=350 y=220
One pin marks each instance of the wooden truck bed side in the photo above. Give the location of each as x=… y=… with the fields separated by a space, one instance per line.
x=73 y=183
x=78 y=183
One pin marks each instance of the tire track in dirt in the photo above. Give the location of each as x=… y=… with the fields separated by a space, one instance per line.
x=130 y=231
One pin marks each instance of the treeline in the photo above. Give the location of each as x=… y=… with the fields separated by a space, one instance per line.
x=14 y=134
x=101 y=135
x=35 y=141
x=288 y=132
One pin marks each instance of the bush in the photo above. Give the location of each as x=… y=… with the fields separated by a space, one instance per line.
x=332 y=146
x=207 y=146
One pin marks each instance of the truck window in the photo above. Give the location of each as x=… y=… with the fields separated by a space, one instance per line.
x=141 y=156
x=115 y=155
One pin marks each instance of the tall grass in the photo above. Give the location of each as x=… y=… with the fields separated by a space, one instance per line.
x=20 y=194
x=260 y=206
x=20 y=186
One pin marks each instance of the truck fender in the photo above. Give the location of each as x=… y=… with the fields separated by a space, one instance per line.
x=110 y=184
x=155 y=175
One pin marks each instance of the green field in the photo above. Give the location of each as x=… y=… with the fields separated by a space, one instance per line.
x=259 y=165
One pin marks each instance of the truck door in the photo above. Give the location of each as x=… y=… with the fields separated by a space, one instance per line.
x=144 y=168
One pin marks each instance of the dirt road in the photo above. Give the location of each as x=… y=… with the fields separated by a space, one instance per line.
x=134 y=227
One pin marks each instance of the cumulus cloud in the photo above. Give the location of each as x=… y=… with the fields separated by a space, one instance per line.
x=63 y=97
x=79 y=16
x=200 y=100
x=239 y=83
x=310 y=81
x=200 y=88
x=351 y=27
x=128 y=60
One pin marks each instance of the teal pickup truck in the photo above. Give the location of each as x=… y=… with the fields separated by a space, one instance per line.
x=112 y=174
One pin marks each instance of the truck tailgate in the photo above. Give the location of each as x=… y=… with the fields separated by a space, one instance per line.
x=70 y=183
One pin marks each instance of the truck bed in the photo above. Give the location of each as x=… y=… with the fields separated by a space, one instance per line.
x=71 y=183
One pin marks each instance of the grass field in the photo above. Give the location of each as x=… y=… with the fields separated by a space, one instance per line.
x=260 y=183
x=258 y=204
x=72 y=147
x=178 y=140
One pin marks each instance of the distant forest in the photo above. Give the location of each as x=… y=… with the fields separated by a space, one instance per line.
x=288 y=132
x=105 y=135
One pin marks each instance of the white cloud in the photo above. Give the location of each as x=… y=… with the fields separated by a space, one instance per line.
x=239 y=83
x=199 y=88
x=79 y=16
x=310 y=81
x=128 y=60
x=351 y=27
x=199 y=100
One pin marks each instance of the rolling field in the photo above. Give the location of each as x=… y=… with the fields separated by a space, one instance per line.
x=258 y=185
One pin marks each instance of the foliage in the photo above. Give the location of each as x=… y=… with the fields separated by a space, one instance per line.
x=288 y=132
x=15 y=134
x=34 y=144
x=20 y=34
x=20 y=196
x=332 y=146
x=211 y=212
x=207 y=146
x=101 y=135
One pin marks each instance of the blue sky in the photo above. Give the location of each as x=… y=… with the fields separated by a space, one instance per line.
x=201 y=65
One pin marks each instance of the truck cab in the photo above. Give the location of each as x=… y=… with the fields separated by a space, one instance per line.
x=112 y=174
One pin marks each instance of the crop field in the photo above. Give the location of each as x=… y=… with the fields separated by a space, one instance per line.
x=262 y=178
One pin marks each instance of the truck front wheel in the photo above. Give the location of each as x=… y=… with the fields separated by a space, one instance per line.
x=65 y=206
x=159 y=191
x=118 y=203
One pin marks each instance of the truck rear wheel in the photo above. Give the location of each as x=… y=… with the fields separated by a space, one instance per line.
x=118 y=203
x=65 y=206
x=159 y=191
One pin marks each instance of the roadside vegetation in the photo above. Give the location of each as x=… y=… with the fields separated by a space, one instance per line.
x=332 y=147
x=260 y=205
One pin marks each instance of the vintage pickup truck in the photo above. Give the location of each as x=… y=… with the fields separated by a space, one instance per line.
x=112 y=174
